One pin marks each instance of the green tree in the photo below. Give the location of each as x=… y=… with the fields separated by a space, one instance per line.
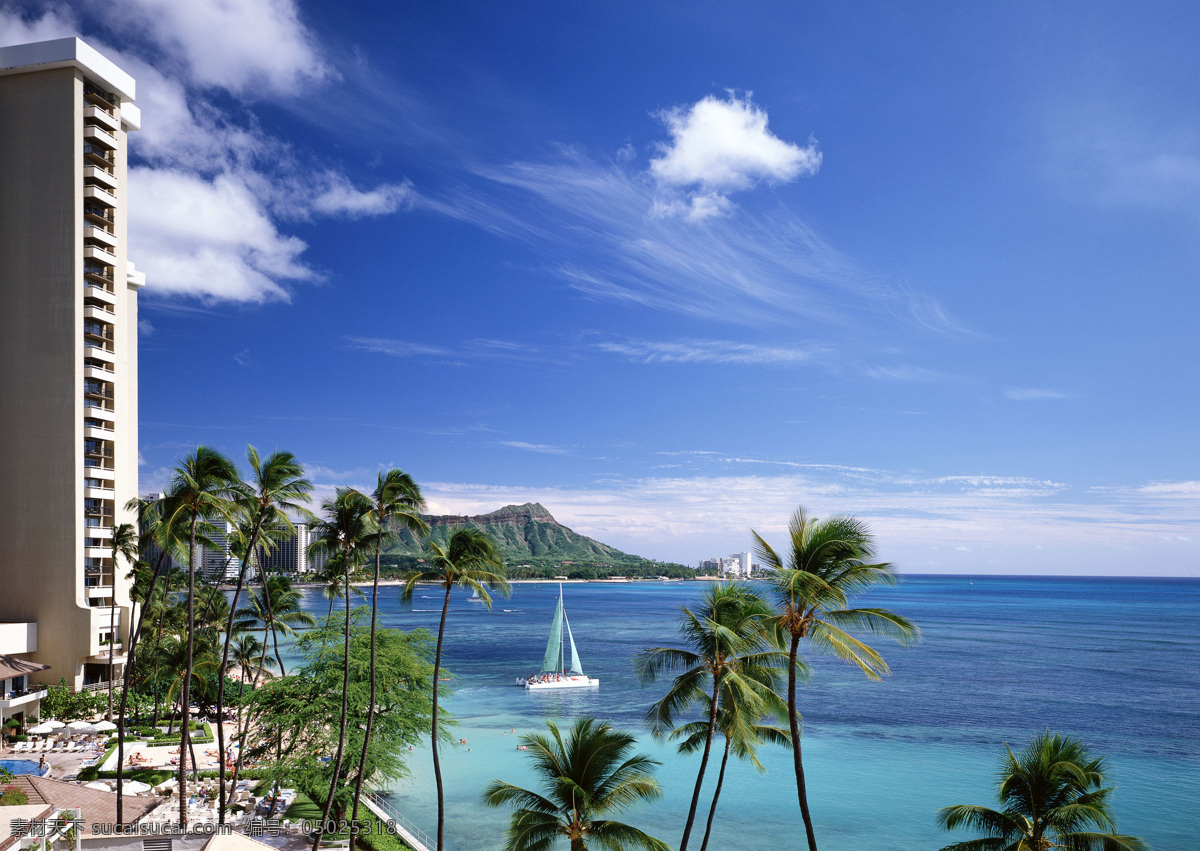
x=824 y=566
x=297 y=716
x=275 y=492
x=397 y=502
x=727 y=635
x=1054 y=794
x=742 y=728
x=586 y=778
x=347 y=529
x=124 y=545
x=469 y=560
x=201 y=487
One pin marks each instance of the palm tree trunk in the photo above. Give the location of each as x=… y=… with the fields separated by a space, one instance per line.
x=712 y=811
x=337 y=763
x=712 y=726
x=794 y=724
x=185 y=731
x=362 y=759
x=437 y=765
x=127 y=680
x=237 y=593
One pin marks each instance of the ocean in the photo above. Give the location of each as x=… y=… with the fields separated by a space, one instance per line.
x=1115 y=662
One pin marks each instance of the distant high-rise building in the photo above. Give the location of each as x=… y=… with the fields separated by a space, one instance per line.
x=68 y=353
x=289 y=555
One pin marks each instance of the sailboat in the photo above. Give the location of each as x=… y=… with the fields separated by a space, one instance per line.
x=554 y=673
x=475 y=598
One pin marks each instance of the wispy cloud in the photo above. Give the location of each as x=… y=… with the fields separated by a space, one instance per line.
x=397 y=348
x=906 y=373
x=481 y=349
x=706 y=352
x=541 y=448
x=1033 y=394
x=1007 y=524
x=594 y=224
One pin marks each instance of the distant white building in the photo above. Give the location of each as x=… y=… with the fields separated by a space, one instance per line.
x=735 y=566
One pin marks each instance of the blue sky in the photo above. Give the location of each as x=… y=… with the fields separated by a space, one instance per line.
x=674 y=269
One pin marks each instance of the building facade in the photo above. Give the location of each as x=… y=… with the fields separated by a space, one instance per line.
x=68 y=352
x=289 y=555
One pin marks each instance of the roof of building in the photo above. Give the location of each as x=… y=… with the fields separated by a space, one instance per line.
x=68 y=52
x=29 y=812
x=11 y=667
x=96 y=807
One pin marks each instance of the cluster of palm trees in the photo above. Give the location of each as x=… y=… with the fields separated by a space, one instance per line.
x=186 y=637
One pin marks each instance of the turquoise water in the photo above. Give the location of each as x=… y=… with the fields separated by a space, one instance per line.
x=20 y=766
x=1111 y=661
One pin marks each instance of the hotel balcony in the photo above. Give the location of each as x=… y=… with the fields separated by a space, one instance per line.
x=99 y=389
x=93 y=94
x=98 y=331
x=98 y=255
x=100 y=311
x=101 y=158
x=97 y=430
x=22 y=697
x=99 y=292
x=96 y=235
x=98 y=493
x=97 y=369
x=97 y=449
x=95 y=115
x=97 y=176
x=100 y=195
x=99 y=136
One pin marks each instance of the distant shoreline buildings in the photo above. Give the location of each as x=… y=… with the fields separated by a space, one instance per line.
x=735 y=566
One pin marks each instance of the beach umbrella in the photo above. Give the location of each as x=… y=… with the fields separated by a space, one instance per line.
x=104 y=727
x=135 y=787
x=54 y=723
x=78 y=728
x=101 y=785
x=42 y=729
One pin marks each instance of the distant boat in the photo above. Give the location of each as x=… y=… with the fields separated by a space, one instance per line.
x=475 y=598
x=554 y=673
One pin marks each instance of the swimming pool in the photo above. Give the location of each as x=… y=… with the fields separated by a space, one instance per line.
x=20 y=766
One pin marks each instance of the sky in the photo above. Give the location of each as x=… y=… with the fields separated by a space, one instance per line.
x=675 y=269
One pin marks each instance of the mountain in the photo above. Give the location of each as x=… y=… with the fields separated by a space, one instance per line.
x=530 y=541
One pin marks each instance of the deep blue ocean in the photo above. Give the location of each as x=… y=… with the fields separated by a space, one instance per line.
x=1113 y=661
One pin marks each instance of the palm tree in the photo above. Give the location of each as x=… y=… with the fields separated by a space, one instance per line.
x=276 y=608
x=201 y=487
x=725 y=635
x=586 y=778
x=1053 y=794
x=827 y=563
x=276 y=490
x=124 y=543
x=469 y=560
x=397 y=501
x=741 y=727
x=347 y=528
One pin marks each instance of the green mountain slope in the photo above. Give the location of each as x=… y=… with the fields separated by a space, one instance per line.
x=533 y=544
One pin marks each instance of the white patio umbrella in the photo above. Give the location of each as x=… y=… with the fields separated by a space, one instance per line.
x=135 y=787
x=54 y=722
x=42 y=729
x=77 y=727
x=104 y=726
x=99 y=784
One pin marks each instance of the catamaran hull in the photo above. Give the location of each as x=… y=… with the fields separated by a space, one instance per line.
x=566 y=682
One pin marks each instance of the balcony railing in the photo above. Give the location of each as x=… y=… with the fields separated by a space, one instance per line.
x=100 y=424
x=98 y=271
x=94 y=94
x=91 y=388
x=97 y=450
x=95 y=329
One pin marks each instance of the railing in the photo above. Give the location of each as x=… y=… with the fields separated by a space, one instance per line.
x=98 y=211
x=98 y=271
x=94 y=93
x=100 y=424
x=22 y=692
x=413 y=835
x=98 y=390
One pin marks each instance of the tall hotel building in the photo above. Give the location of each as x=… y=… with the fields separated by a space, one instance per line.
x=68 y=363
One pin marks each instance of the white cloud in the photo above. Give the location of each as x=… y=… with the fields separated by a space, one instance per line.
x=338 y=196
x=249 y=47
x=725 y=145
x=55 y=22
x=211 y=239
x=396 y=348
x=1010 y=525
x=542 y=448
x=1028 y=394
x=705 y=351
x=1184 y=489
